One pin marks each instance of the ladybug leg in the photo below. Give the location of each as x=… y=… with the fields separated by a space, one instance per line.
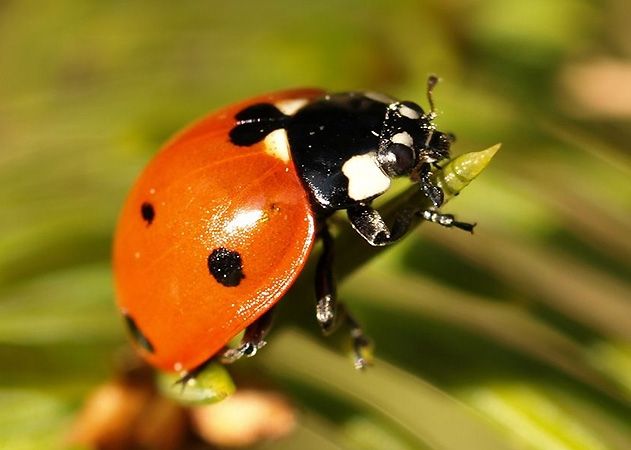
x=436 y=196
x=446 y=220
x=371 y=226
x=252 y=341
x=329 y=312
x=325 y=289
x=431 y=191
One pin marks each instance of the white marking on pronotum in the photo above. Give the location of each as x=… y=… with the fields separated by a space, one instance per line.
x=408 y=112
x=402 y=138
x=289 y=107
x=277 y=145
x=378 y=97
x=365 y=177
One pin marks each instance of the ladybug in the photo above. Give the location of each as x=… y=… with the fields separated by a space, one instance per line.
x=221 y=222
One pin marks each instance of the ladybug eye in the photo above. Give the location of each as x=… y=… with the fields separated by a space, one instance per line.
x=401 y=158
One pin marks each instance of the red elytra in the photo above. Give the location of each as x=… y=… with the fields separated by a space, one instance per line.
x=199 y=194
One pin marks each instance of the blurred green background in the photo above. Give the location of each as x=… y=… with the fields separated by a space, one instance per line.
x=515 y=338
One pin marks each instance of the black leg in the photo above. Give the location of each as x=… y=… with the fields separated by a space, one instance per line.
x=371 y=226
x=362 y=344
x=325 y=289
x=329 y=312
x=252 y=341
x=446 y=220
x=431 y=191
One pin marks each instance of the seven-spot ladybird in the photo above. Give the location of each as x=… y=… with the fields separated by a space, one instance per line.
x=221 y=222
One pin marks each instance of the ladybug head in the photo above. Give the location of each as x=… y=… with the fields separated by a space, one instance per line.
x=409 y=137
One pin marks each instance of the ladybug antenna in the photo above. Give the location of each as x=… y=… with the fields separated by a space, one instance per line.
x=432 y=81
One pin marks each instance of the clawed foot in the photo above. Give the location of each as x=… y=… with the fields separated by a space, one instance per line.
x=247 y=349
x=362 y=349
x=446 y=220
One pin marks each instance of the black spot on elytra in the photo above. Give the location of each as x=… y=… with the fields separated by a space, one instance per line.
x=226 y=266
x=255 y=122
x=140 y=338
x=147 y=212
